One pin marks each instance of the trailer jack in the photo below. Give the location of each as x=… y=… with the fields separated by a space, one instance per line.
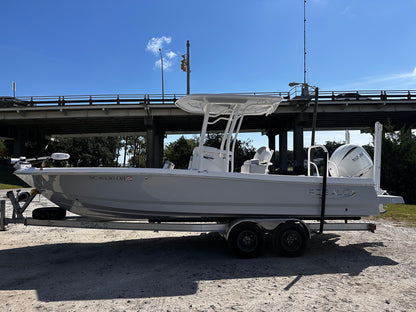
x=15 y=199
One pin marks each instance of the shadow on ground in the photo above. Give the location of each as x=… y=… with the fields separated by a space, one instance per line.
x=159 y=267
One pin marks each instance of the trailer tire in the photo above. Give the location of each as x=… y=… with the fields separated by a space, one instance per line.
x=49 y=213
x=290 y=239
x=246 y=240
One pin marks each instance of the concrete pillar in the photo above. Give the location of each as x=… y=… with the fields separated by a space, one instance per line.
x=298 y=153
x=271 y=135
x=154 y=143
x=283 y=163
x=19 y=145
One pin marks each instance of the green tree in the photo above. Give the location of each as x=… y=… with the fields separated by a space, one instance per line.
x=243 y=149
x=179 y=151
x=331 y=146
x=398 y=163
x=87 y=152
x=137 y=148
x=4 y=152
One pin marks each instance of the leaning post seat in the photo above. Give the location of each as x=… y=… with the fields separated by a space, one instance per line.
x=209 y=159
x=260 y=162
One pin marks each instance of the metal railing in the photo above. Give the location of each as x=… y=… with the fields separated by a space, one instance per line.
x=62 y=100
x=147 y=99
x=362 y=95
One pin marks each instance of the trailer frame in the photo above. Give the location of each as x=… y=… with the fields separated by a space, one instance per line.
x=245 y=235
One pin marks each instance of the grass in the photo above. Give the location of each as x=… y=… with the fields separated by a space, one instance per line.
x=9 y=186
x=399 y=213
x=8 y=180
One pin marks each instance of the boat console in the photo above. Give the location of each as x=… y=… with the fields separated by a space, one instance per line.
x=209 y=159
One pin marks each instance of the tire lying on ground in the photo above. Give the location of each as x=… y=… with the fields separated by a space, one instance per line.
x=49 y=213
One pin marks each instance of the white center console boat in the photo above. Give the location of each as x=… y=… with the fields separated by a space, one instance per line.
x=210 y=188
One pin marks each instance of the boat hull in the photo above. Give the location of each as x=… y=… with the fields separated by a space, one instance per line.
x=114 y=193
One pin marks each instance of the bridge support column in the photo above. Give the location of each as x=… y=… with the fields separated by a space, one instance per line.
x=271 y=135
x=19 y=145
x=298 y=153
x=283 y=163
x=154 y=143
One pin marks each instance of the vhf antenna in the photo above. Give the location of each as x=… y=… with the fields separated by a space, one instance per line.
x=304 y=42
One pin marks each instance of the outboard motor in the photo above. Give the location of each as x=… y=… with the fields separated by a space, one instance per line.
x=351 y=161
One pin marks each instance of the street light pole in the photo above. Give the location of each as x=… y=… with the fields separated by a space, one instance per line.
x=161 y=66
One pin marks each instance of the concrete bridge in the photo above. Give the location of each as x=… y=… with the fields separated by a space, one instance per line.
x=34 y=118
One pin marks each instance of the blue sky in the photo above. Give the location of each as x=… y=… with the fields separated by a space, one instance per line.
x=100 y=47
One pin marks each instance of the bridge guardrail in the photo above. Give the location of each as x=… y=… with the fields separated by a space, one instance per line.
x=99 y=99
x=364 y=95
x=62 y=100
x=149 y=99
x=382 y=95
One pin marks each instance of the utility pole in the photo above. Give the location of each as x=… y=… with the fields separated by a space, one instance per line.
x=188 y=69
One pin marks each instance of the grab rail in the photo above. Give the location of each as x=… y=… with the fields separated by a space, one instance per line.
x=311 y=162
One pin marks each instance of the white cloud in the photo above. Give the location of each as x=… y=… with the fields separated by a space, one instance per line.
x=411 y=75
x=171 y=55
x=393 y=77
x=155 y=44
x=405 y=80
x=167 y=64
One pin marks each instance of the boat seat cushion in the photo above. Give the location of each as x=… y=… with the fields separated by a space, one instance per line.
x=260 y=162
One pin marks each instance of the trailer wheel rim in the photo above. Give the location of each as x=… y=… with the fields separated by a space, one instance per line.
x=247 y=241
x=291 y=240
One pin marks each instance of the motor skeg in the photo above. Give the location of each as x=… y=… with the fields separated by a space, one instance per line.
x=351 y=160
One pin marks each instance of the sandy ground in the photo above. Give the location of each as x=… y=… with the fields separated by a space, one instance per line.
x=62 y=269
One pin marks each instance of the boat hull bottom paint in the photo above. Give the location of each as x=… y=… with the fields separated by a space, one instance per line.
x=114 y=193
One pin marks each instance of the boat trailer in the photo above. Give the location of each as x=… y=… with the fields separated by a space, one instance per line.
x=245 y=236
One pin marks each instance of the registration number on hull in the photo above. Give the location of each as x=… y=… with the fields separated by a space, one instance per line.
x=110 y=178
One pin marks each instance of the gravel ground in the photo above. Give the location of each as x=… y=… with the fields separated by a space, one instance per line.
x=64 y=269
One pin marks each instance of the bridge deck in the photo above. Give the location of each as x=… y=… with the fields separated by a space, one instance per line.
x=126 y=113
